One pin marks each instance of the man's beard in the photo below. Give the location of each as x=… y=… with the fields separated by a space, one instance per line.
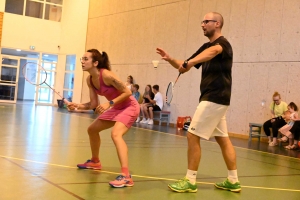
x=209 y=33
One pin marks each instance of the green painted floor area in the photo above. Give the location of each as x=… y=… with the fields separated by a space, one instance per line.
x=40 y=147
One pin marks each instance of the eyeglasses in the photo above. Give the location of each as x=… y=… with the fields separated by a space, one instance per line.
x=84 y=59
x=208 y=20
x=276 y=100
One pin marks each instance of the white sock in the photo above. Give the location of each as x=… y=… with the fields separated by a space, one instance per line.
x=191 y=175
x=232 y=176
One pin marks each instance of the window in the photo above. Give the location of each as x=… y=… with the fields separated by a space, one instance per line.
x=43 y=9
x=14 y=6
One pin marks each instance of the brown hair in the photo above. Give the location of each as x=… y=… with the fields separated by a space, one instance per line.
x=131 y=79
x=102 y=58
x=276 y=94
x=136 y=86
x=156 y=87
x=150 y=90
x=294 y=106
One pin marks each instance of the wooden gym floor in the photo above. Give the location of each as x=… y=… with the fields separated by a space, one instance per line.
x=41 y=145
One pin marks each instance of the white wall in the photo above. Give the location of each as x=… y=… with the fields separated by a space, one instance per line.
x=264 y=35
x=69 y=34
x=73 y=37
x=2 y=5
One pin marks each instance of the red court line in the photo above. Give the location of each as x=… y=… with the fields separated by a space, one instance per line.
x=44 y=179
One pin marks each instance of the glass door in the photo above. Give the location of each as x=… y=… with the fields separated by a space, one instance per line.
x=9 y=76
x=69 y=77
x=44 y=94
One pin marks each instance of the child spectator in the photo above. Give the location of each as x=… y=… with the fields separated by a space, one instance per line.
x=136 y=93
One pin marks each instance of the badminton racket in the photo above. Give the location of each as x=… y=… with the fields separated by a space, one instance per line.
x=170 y=89
x=30 y=71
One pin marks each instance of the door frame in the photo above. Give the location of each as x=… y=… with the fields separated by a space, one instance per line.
x=10 y=83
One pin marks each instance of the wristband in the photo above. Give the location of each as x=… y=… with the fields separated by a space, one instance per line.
x=185 y=63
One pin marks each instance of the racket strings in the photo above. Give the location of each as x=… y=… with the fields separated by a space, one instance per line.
x=34 y=73
x=37 y=75
x=169 y=94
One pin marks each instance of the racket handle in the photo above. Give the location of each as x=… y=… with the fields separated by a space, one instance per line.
x=67 y=102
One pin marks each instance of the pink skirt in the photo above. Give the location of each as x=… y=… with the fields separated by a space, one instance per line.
x=125 y=112
x=285 y=130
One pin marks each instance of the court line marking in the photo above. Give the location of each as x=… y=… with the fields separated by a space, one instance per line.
x=149 y=130
x=147 y=177
x=201 y=140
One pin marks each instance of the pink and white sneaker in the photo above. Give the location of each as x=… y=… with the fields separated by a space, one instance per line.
x=89 y=164
x=122 y=181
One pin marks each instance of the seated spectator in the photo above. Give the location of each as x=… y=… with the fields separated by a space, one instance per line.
x=147 y=94
x=156 y=105
x=295 y=131
x=136 y=93
x=129 y=82
x=290 y=116
x=277 y=108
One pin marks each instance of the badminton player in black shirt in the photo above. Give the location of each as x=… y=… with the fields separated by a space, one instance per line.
x=209 y=120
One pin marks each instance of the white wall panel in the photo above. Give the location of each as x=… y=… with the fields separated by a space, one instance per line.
x=289 y=49
x=271 y=30
x=264 y=35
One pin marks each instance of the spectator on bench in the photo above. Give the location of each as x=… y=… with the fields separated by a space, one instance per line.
x=156 y=105
x=136 y=94
x=277 y=108
x=295 y=130
x=148 y=94
x=129 y=82
x=290 y=117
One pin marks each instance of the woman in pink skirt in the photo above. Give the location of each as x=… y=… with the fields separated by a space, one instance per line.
x=119 y=112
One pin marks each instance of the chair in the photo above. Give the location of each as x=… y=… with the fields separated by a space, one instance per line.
x=255 y=131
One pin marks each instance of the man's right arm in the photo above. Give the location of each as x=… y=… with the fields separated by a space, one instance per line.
x=165 y=56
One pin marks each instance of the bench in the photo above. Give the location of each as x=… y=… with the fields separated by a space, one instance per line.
x=255 y=131
x=162 y=116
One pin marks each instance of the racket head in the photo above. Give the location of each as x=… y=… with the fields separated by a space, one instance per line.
x=36 y=74
x=30 y=72
x=169 y=93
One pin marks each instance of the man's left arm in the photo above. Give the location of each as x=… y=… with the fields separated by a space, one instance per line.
x=204 y=56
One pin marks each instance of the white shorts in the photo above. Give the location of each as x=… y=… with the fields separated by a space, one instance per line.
x=209 y=120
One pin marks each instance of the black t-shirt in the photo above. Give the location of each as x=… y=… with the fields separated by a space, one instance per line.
x=151 y=97
x=216 y=73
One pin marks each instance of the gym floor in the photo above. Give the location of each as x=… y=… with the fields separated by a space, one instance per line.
x=41 y=145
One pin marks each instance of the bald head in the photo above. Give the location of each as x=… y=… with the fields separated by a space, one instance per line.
x=216 y=16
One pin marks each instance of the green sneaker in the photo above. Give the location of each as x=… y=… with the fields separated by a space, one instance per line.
x=183 y=185
x=227 y=185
